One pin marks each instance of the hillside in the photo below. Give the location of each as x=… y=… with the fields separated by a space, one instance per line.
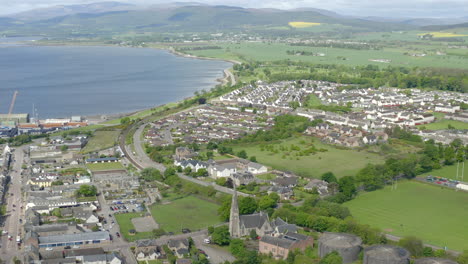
x=196 y=18
x=445 y=27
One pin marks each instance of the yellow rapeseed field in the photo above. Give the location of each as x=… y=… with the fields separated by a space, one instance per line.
x=443 y=34
x=299 y=24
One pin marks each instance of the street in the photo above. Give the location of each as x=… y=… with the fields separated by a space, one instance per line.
x=14 y=209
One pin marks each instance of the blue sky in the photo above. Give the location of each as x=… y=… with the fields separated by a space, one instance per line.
x=385 y=8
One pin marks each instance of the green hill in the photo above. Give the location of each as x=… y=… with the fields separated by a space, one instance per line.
x=187 y=19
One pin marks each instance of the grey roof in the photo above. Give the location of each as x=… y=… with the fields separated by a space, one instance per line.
x=100 y=257
x=102 y=235
x=287 y=228
x=282 y=241
x=83 y=252
x=51 y=228
x=255 y=165
x=278 y=222
x=386 y=252
x=178 y=243
x=340 y=240
x=253 y=220
x=285 y=181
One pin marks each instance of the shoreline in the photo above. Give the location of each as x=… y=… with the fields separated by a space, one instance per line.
x=96 y=119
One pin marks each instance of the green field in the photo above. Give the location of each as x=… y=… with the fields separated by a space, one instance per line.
x=125 y=224
x=450 y=172
x=444 y=123
x=342 y=162
x=101 y=140
x=434 y=214
x=188 y=212
x=105 y=166
x=351 y=57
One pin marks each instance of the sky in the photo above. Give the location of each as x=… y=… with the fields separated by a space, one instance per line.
x=383 y=8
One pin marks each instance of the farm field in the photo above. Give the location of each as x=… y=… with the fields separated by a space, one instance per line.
x=125 y=224
x=188 y=212
x=313 y=166
x=449 y=172
x=105 y=166
x=434 y=214
x=350 y=57
x=444 y=123
x=101 y=140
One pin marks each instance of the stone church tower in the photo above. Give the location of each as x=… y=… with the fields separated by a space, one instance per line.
x=234 y=222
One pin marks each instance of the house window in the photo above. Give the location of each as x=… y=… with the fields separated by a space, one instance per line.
x=281 y=252
x=273 y=250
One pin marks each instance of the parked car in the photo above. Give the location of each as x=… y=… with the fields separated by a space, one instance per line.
x=207 y=241
x=117 y=234
x=49 y=249
x=185 y=230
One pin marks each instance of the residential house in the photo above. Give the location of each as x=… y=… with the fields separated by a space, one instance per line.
x=148 y=250
x=242 y=178
x=259 y=222
x=256 y=168
x=319 y=185
x=180 y=247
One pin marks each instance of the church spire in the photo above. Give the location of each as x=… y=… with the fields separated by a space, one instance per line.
x=234 y=222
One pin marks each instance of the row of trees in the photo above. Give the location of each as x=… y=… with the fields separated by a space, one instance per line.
x=367 y=76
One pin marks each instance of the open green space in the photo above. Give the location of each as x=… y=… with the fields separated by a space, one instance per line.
x=340 y=161
x=450 y=172
x=101 y=140
x=188 y=212
x=398 y=56
x=444 y=124
x=125 y=224
x=105 y=166
x=434 y=214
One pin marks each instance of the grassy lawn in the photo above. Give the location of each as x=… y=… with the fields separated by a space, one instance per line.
x=101 y=140
x=105 y=166
x=434 y=214
x=444 y=123
x=313 y=100
x=450 y=172
x=125 y=224
x=189 y=212
x=342 y=162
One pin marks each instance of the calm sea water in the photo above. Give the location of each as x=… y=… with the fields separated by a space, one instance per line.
x=66 y=81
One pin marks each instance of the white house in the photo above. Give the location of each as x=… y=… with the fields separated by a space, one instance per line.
x=447 y=108
x=256 y=168
x=218 y=171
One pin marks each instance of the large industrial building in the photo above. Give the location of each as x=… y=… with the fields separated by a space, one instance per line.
x=17 y=118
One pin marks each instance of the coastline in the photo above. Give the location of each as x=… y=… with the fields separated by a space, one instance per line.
x=228 y=76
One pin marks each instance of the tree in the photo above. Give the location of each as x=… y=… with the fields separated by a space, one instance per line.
x=413 y=245
x=236 y=247
x=125 y=120
x=242 y=154
x=64 y=148
x=86 y=191
x=151 y=174
x=221 y=235
x=331 y=258
x=158 y=232
x=428 y=252
x=329 y=177
x=202 y=100
x=202 y=172
x=266 y=202
x=253 y=159
x=253 y=234
x=224 y=210
x=247 y=205
x=187 y=170
x=347 y=187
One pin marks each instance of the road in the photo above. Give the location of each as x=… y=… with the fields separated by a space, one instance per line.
x=216 y=255
x=14 y=212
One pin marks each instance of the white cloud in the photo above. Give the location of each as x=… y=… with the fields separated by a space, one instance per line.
x=387 y=8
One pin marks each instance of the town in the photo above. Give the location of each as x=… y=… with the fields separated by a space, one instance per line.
x=179 y=193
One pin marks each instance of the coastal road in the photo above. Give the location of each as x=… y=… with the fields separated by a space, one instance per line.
x=14 y=202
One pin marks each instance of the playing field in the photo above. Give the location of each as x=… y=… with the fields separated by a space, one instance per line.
x=188 y=212
x=450 y=172
x=105 y=166
x=125 y=224
x=342 y=162
x=434 y=214
x=101 y=140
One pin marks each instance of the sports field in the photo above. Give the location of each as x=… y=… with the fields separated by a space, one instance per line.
x=434 y=214
x=125 y=224
x=450 y=172
x=342 y=162
x=188 y=212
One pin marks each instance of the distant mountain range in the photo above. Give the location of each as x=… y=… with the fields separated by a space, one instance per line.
x=114 y=17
